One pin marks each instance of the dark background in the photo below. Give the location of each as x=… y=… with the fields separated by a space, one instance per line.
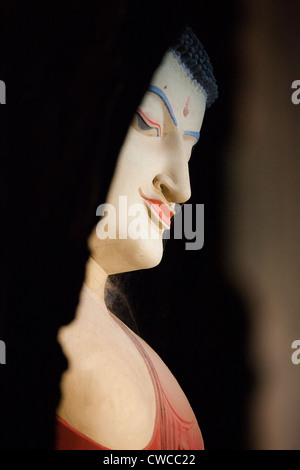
x=74 y=75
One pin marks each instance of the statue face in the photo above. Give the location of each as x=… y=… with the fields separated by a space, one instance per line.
x=152 y=172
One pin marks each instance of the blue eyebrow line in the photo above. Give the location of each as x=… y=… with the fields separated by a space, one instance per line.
x=193 y=134
x=161 y=94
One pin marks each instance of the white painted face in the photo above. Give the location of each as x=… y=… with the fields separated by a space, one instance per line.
x=152 y=166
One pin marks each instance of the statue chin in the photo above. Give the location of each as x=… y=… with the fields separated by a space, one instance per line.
x=127 y=255
x=146 y=253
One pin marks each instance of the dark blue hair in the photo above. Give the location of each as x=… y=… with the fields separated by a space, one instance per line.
x=191 y=54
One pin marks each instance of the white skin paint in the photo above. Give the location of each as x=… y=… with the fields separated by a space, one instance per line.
x=153 y=162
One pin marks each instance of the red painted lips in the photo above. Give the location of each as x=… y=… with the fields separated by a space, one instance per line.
x=161 y=209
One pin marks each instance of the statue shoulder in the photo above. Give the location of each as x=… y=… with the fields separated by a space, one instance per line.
x=107 y=392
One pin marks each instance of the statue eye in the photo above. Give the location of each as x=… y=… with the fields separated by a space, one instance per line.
x=143 y=125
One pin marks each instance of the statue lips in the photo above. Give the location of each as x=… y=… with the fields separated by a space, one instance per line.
x=161 y=209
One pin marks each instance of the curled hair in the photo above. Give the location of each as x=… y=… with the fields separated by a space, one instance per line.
x=191 y=54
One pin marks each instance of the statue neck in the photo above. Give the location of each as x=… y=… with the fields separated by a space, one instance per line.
x=95 y=278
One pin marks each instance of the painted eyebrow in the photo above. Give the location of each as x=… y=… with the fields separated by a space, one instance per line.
x=162 y=95
x=193 y=134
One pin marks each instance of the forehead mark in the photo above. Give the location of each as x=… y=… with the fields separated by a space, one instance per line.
x=157 y=91
x=186 y=107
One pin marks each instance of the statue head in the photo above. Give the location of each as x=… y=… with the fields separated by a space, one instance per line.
x=152 y=171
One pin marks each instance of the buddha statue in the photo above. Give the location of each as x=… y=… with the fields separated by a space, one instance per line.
x=117 y=393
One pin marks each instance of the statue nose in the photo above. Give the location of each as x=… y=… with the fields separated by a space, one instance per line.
x=175 y=188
